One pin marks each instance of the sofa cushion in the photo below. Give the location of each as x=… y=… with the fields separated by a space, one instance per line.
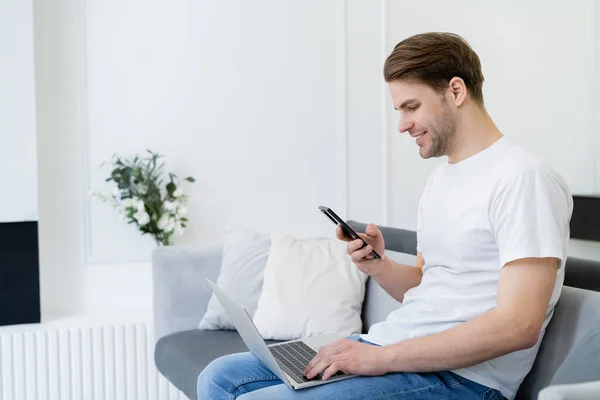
x=583 y=362
x=181 y=356
x=574 y=391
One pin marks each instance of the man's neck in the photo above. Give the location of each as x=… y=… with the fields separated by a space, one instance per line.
x=475 y=132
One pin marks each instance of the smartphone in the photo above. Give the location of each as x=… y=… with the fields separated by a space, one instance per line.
x=349 y=231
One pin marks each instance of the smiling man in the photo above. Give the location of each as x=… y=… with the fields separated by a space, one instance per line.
x=492 y=230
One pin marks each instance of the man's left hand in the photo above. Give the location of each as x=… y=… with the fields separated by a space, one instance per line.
x=348 y=356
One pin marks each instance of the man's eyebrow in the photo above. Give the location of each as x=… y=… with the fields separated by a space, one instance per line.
x=405 y=103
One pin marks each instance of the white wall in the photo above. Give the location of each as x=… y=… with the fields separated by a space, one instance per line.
x=18 y=154
x=275 y=108
x=243 y=96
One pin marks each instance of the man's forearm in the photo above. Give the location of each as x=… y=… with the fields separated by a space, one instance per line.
x=488 y=336
x=396 y=278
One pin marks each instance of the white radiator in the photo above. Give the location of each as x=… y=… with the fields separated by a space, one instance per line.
x=93 y=363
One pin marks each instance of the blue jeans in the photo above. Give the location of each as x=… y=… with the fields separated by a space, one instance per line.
x=243 y=375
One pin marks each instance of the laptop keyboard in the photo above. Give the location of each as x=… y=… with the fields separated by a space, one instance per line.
x=293 y=357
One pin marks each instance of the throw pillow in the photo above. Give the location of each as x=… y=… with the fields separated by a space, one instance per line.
x=311 y=287
x=245 y=255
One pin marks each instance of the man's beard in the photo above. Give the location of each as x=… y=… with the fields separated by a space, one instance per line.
x=442 y=131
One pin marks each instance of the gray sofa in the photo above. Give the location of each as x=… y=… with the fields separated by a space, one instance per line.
x=181 y=297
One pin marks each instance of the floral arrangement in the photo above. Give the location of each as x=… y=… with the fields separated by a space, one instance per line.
x=139 y=197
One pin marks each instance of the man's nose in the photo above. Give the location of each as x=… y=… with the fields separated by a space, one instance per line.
x=404 y=125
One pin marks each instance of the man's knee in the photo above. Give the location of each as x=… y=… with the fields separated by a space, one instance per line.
x=219 y=366
x=214 y=377
x=233 y=374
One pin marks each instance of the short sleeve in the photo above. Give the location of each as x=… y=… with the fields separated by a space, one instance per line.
x=530 y=217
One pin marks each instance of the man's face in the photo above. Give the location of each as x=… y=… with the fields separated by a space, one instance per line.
x=426 y=115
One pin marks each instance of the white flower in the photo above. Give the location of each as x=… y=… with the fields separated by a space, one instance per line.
x=178 y=193
x=94 y=193
x=170 y=205
x=170 y=225
x=139 y=205
x=178 y=230
x=128 y=203
x=142 y=217
x=116 y=192
x=181 y=211
x=163 y=222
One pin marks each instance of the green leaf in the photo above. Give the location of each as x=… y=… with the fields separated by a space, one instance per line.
x=190 y=179
x=171 y=188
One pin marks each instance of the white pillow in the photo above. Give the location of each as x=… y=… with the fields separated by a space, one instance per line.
x=310 y=287
x=245 y=255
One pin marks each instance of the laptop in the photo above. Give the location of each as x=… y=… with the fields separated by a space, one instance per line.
x=288 y=359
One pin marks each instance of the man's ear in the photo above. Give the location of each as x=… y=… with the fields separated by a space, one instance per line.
x=458 y=91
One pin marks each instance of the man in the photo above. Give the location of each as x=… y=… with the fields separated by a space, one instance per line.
x=493 y=229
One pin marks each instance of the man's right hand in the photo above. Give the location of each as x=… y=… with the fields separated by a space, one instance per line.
x=362 y=258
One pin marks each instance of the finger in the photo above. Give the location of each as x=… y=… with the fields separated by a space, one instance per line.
x=320 y=367
x=360 y=255
x=311 y=365
x=354 y=245
x=327 y=351
x=323 y=352
x=332 y=369
x=373 y=231
x=341 y=234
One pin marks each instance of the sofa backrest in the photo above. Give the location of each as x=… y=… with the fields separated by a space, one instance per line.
x=575 y=315
x=577 y=312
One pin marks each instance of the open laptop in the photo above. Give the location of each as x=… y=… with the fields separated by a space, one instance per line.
x=287 y=359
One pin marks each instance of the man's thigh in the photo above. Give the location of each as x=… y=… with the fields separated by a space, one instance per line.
x=429 y=386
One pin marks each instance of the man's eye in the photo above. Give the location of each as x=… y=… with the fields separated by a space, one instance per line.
x=413 y=108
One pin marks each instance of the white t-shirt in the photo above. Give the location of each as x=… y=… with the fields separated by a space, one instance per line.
x=475 y=216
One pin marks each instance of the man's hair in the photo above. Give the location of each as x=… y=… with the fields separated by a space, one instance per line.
x=434 y=59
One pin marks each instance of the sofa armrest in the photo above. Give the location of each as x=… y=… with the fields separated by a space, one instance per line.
x=572 y=391
x=180 y=292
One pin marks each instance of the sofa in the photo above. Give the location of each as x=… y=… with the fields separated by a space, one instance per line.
x=182 y=351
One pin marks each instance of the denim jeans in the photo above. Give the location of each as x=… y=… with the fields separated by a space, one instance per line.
x=243 y=376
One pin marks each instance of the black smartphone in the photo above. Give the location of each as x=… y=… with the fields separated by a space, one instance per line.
x=349 y=231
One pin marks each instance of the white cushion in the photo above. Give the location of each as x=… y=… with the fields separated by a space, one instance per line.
x=245 y=255
x=311 y=287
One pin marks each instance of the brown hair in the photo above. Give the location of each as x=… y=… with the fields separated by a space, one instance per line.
x=434 y=59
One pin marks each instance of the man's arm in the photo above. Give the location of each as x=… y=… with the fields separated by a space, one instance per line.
x=393 y=277
x=524 y=292
x=397 y=279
